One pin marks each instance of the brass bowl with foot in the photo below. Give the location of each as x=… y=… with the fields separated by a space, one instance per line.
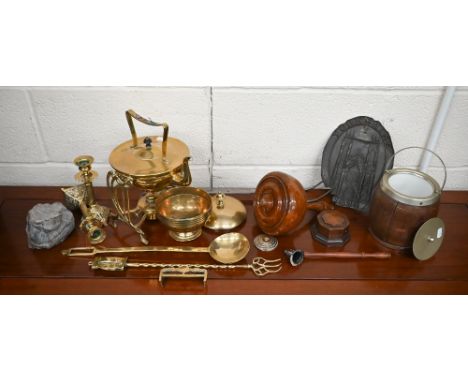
x=184 y=211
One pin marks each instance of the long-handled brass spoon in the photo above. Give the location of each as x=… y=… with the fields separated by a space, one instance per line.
x=227 y=249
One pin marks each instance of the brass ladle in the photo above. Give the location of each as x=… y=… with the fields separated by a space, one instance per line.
x=228 y=248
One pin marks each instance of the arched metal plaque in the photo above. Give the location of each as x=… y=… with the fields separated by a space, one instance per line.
x=354 y=159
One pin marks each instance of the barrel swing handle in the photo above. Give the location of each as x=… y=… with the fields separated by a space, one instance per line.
x=424 y=149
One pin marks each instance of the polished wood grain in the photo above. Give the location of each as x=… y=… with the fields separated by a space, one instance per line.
x=396 y=223
x=23 y=270
x=331 y=228
x=280 y=203
x=347 y=255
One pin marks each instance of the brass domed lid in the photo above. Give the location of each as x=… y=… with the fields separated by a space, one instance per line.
x=146 y=158
x=227 y=213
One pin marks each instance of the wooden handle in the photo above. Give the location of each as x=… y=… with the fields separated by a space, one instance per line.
x=320 y=205
x=347 y=255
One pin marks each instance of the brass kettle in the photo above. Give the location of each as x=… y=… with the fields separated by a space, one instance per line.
x=149 y=163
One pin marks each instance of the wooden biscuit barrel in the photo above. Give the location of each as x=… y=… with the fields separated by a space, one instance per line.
x=403 y=200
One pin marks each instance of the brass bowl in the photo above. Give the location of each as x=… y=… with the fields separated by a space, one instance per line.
x=184 y=211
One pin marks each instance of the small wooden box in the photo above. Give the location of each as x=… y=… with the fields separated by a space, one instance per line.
x=331 y=228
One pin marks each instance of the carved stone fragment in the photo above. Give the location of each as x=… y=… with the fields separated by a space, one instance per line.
x=48 y=224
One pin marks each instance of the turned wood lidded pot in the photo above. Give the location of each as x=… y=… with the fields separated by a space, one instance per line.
x=403 y=201
x=280 y=203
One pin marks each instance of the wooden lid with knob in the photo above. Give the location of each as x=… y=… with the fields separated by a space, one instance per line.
x=280 y=203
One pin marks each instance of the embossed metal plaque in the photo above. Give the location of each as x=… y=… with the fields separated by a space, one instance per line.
x=354 y=159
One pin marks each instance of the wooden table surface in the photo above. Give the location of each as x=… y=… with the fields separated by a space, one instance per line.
x=27 y=271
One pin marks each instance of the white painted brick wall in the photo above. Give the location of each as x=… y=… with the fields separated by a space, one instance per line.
x=235 y=135
x=259 y=130
x=73 y=121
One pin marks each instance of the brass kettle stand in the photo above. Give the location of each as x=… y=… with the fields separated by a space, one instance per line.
x=150 y=164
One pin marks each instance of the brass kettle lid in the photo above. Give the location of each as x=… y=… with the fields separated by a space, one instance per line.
x=227 y=213
x=146 y=158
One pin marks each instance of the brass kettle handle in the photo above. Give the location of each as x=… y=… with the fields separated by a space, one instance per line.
x=130 y=113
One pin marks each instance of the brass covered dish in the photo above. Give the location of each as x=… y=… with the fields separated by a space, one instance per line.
x=150 y=163
x=227 y=213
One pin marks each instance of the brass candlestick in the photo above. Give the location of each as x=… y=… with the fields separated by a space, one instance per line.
x=95 y=217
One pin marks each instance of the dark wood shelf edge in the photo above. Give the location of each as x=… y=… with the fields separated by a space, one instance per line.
x=234 y=287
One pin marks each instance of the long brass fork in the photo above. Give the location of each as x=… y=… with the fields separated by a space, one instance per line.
x=259 y=266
